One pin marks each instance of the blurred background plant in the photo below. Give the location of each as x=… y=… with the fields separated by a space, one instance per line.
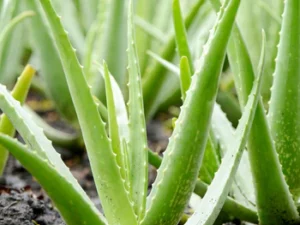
x=97 y=31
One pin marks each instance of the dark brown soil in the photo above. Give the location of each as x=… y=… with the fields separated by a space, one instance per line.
x=25 y=208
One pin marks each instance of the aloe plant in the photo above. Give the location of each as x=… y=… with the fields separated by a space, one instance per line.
x=205 y=154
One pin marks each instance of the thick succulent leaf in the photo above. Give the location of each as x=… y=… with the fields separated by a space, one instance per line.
x=146 y=11
x=185 y=76
x=13 y=48
x=284 y=113
x=121 y=110
x=231 y=206
x=114 y=43
x=10 y=26
x=71 y=204
x=210 y=206
x=210 y=163
x=151 y=30
x=180 y=34
x=243 y=189
x=274 y=202
x=156 y=76
x=175 y=182
x=116 y=140
x=168 y=65
x=7 y=10
x=71 y=22
x=138 y=155
x=19 y=92
x=36 y=140
x=87 y=12
x=107 y=176
x=58 y=137
x=93 y=42
x=51 y=70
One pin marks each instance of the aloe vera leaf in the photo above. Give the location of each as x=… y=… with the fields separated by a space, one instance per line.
x=210 y=162
x=181 y=35
x=210 y=206
x=19 y=92
x=222 y=130
x=13 y=50
x=51 y=70
x=35 y=138
x=93 y=45
x=227 y=101
x=168 y=65
x=185 y=76
x=150 y=29
x=230 y=106
x=72 y=206
x=147 y=11
x=114 y=43
x=270 y=12
x=58 y=137
x=231 y=206
x=71 y=23
x=272 y=29
x=114 y=133
x=7 y=11
x=110 y=186
x=175 y=182
x=10 y=26
x=88 y=13
x=274 y=202
x=284 y=113
x=137 y=126
x=156 y=76
x=121 y=110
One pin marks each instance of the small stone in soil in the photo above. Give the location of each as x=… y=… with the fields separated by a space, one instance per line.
x=24 y=208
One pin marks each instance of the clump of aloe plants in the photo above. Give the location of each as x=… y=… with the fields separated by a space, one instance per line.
x=248 y=173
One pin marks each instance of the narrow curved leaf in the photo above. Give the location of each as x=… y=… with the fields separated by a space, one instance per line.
x=71 y=204
x=19 y=92
x=107 y=176
x=211 y=205
x=137 y=126
x=36 y=140
x=284 y=113
x=175 y=181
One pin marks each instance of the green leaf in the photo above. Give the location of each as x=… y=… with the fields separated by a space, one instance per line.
x=231 y=206
x=180 y=35
x=137 y=126
x=51 y=70
x=274 y=202
x=114 y=43
x=175 y=181
x=10 y=26
x=74 y=208
x=222 y=130
x=19 y=92
x=114 y=133
x=42 y=148
x=150 y=29
x=185 y=76
x=107 y=176
x=156 y=76
x=284 y=113
x=210 y=206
